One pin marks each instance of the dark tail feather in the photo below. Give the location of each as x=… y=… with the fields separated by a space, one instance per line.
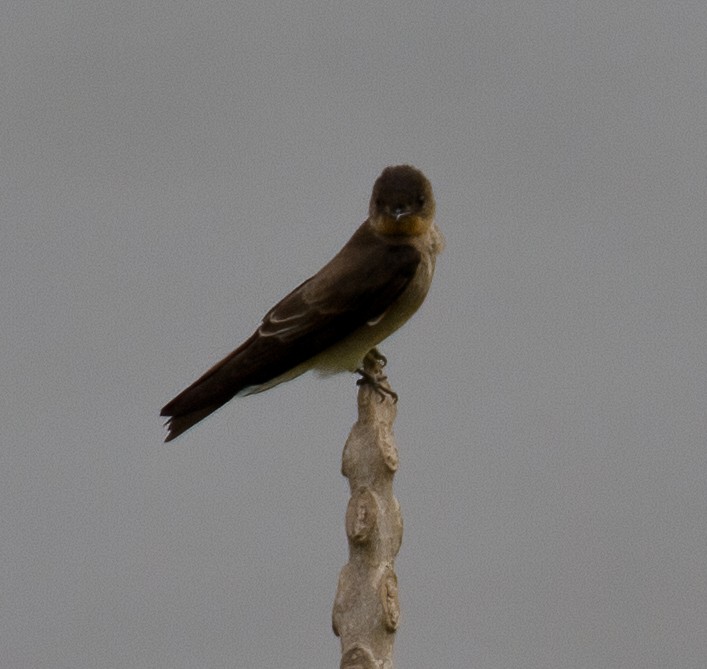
x=209 y=392
x=178 y=424
x=251 y=364
x=195 y=403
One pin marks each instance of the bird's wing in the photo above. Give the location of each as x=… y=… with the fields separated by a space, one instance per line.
x=357 y=286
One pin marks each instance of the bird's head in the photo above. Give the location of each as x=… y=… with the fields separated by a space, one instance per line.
x=402 y=202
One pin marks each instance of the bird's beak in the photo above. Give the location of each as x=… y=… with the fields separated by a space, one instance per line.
x=400 y=212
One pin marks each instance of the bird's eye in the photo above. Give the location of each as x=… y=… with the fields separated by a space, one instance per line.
x=421 y=200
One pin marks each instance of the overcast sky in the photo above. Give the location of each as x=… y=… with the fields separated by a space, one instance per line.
x=168 y=171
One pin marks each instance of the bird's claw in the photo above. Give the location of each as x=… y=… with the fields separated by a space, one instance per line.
x=376 y=382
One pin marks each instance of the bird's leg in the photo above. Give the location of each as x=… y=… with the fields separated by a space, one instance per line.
x=372 y=374
x=376 y=382
x=376 y=356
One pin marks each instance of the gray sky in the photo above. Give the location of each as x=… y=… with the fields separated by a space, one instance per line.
x=170 y=170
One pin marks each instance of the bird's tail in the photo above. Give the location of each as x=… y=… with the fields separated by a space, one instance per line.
x=203 y=397
x=181 y=423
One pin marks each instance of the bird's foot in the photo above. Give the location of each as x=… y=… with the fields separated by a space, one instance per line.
x=376 y=382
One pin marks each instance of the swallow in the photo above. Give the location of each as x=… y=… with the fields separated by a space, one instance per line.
x=329 y=323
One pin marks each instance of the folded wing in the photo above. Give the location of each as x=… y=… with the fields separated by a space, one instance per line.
x=357 y=286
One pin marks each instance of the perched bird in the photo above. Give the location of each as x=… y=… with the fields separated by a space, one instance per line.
x=330 y=322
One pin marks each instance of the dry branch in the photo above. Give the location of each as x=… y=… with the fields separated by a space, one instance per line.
x=366 y=608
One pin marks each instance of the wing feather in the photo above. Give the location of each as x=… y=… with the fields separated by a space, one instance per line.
x=356 y=287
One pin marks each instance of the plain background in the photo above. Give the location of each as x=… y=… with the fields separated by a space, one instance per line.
x=169 y=170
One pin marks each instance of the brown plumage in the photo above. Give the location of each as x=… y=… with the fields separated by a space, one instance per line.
x=329 y=322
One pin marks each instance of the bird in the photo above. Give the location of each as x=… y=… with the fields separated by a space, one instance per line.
x=334 y=319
